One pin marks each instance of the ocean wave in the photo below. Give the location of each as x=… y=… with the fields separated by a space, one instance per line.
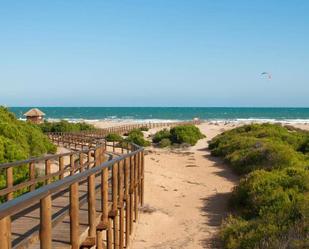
x=260 y=120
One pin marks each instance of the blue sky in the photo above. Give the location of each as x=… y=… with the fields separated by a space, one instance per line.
x=154 y=53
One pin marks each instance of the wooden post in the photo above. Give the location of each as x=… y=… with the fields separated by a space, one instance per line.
x=89 y=159
x=74 y=216
x=104 y=195
x=109 y=235
x=45 y=223
x=72 y=165
x=47 y=171
x=32 y=175
x=127 y=197
x=9 y=182
x=81 y=162
x=121 y=209
x=139 y=178
x=131 y=193
x=99 y=240
x=5 y=233
x=115 y=205
x=5 y=223
x=135 y=188
x=61 y=167
x=92 y=200
x=142 y=179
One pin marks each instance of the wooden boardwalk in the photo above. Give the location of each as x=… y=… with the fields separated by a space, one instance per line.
x=26 y=224
x=88 y=197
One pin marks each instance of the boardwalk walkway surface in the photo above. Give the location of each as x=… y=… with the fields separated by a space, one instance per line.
x=26 y=224
x=87 y=197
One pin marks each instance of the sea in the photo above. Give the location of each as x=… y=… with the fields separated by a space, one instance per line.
x=165 y=114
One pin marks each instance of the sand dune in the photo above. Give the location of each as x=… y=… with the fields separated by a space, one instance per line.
x=186 y=196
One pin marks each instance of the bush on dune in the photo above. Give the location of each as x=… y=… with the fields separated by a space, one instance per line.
x=162 y=134
x=165 y=142
x=18 y=141
x=113 y=137
x=188 y=134
x=276 y=192
x=271 y=203
x=181 y=134
x=136 y=136
x=144 y=128
x=65 y=126
x=260 y=146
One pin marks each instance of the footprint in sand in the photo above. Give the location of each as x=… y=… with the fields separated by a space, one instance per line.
x=192 y=166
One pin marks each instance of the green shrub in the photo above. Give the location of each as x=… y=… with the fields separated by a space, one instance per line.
x=260 y=146
x=165 y=142
x=162 y=134
x=113 y=137
x=65 y=126
x=144 y=128
x=136 y=136
x=137 y=139
x=136 y=132
x=18 y=141
x=265 y=193
x=189 y=134
x=271 y=205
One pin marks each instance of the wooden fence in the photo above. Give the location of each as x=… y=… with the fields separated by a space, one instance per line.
x=125 y=128
x=113 y=172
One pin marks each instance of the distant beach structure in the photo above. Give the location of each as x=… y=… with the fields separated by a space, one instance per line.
x=35 y=116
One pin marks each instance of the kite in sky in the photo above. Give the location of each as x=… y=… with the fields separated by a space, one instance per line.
x=266 y=74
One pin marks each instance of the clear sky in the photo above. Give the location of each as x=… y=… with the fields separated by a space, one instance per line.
x=154 y=53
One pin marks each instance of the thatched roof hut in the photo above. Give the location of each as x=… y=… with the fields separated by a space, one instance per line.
x=35 y=115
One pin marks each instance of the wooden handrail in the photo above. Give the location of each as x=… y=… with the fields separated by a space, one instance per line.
x=87 y=162
x=43 y=195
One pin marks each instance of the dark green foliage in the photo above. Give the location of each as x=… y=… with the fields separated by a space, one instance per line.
x=162 y=134
x=272 y=204
x=260 y=146
x=136 y=136
x=144 y=128
x=182 y=134
x=113 y=137
x=165 y=142
x=65 y=126
x=18 y=141
x=276 y=192
x=136 y=132
x=188 y=134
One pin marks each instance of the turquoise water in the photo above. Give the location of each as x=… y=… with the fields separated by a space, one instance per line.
x=169 y=113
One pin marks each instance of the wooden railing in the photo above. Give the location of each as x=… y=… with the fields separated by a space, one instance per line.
x=126 y=128
x=113 y=172
x=121 y=191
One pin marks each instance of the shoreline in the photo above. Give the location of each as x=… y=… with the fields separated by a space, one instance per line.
x=210 y=121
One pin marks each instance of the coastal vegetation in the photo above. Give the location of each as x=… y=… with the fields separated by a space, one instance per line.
x=181 y=134
x=135 y=136
x=271 y=202
x=20 y=140
x=65 y=126
x=113 y=137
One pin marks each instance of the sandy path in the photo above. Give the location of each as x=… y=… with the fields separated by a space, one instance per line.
x=186 y=193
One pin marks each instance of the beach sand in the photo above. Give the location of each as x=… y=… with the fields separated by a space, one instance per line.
x=186 y=194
